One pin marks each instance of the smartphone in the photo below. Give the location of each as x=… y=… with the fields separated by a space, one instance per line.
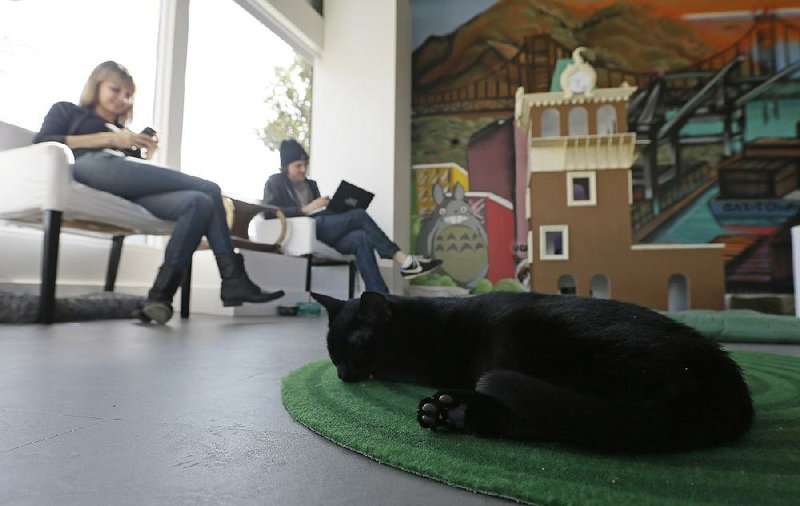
x=149 y=131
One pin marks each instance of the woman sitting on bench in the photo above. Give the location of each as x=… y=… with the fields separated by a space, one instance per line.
x=106 y=158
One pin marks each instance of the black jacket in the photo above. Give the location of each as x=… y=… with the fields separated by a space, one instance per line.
x=66 y=118
x=279 y=192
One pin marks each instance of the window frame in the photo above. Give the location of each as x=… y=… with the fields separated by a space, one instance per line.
x=543 y=230
x=578 y=121
x=546 y=120
x=571 y=176
x=599 y=117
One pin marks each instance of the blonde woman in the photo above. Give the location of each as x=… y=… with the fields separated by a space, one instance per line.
x=106 y=155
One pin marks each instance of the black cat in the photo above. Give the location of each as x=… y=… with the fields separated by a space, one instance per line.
x=596 y=373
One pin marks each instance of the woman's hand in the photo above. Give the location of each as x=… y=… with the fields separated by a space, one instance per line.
x=126 y=139
x=316 y=204
x=149 y=152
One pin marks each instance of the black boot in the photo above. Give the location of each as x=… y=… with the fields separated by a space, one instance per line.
x=158 y=307
x=236 y=286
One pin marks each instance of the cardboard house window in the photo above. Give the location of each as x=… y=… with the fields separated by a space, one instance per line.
x=551 y=123
x=599 y=287
x=581 y=189
x=606 y=120
x=566 y=285
x=678 y=293
x=578 y=121
x=554 y=242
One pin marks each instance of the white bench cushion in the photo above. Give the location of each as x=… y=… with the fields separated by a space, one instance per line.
x=301 y=237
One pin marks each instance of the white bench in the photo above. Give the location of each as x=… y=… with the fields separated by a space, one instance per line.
x=300 y=239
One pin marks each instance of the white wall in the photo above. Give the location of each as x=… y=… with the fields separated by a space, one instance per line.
x=361 y=114
x=82 y=263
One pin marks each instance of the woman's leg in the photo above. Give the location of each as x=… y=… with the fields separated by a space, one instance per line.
x=196 y=207
x=191 y=211
x=357 y=243
x=134 y=180
x=332 y=227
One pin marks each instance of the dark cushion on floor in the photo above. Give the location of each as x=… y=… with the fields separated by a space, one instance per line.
x=24 y=308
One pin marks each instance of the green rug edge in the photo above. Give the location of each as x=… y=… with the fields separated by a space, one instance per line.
x=421 y=473
x=295 y=409
x=741 y=325
x=373 y=457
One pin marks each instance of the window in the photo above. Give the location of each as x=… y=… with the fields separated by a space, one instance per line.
x=578 y=121
x=45 y=57
x=599 y=288
x=551 y=123
x=227 y=81
x=566 y=285
x=554 y=242
x=606 y=120
x=581 y=189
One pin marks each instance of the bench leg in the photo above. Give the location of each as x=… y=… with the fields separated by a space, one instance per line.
x=351 y=288
x=47 y=291
x=308 y=273
x=113 y=262
x=186 y=291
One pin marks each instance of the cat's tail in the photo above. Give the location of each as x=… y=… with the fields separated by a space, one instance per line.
x=692 y=416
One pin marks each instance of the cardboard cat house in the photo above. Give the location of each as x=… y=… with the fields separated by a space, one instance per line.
x=579 y=156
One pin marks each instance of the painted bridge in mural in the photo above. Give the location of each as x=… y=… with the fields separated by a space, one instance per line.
x=767 y=53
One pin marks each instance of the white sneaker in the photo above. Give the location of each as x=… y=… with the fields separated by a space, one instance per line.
x=419 y=265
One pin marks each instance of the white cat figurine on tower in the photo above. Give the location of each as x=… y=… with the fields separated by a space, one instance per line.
x=578 y=77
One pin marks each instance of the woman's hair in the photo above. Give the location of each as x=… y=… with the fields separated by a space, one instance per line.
x=103 y=72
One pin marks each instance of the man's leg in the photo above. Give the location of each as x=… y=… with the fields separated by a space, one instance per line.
x=332 y=227
x=356 y=243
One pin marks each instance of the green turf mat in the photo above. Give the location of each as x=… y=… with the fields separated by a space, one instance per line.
x=741 y=325
x=378 y=420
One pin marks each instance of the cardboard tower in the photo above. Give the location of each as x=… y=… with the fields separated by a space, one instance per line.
x=579 y=159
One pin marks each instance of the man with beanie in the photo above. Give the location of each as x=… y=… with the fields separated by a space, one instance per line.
x=352 y=232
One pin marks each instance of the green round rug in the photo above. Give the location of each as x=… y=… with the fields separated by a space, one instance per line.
x=378 y=419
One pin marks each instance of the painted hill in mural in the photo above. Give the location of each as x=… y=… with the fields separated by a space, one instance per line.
x=631 y=37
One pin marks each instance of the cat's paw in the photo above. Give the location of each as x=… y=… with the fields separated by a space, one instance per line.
x=443 y=410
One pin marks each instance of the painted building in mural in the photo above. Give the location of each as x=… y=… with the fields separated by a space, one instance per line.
x=716 y=83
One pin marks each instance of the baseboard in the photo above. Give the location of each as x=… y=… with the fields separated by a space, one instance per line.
x=205 y=300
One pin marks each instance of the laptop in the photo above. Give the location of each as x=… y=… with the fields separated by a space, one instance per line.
x=349 y=196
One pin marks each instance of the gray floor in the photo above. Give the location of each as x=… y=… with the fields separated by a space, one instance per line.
x=120 y=413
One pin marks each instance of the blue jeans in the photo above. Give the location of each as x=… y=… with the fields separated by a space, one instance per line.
x=194 y=204
x=354 y=233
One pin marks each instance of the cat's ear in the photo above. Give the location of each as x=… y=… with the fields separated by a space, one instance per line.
x=374 y=307
x=333 y=306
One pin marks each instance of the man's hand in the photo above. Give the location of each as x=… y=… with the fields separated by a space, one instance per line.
x=316 y=204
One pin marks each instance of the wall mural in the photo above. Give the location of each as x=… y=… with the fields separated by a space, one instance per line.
x=717 y=100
